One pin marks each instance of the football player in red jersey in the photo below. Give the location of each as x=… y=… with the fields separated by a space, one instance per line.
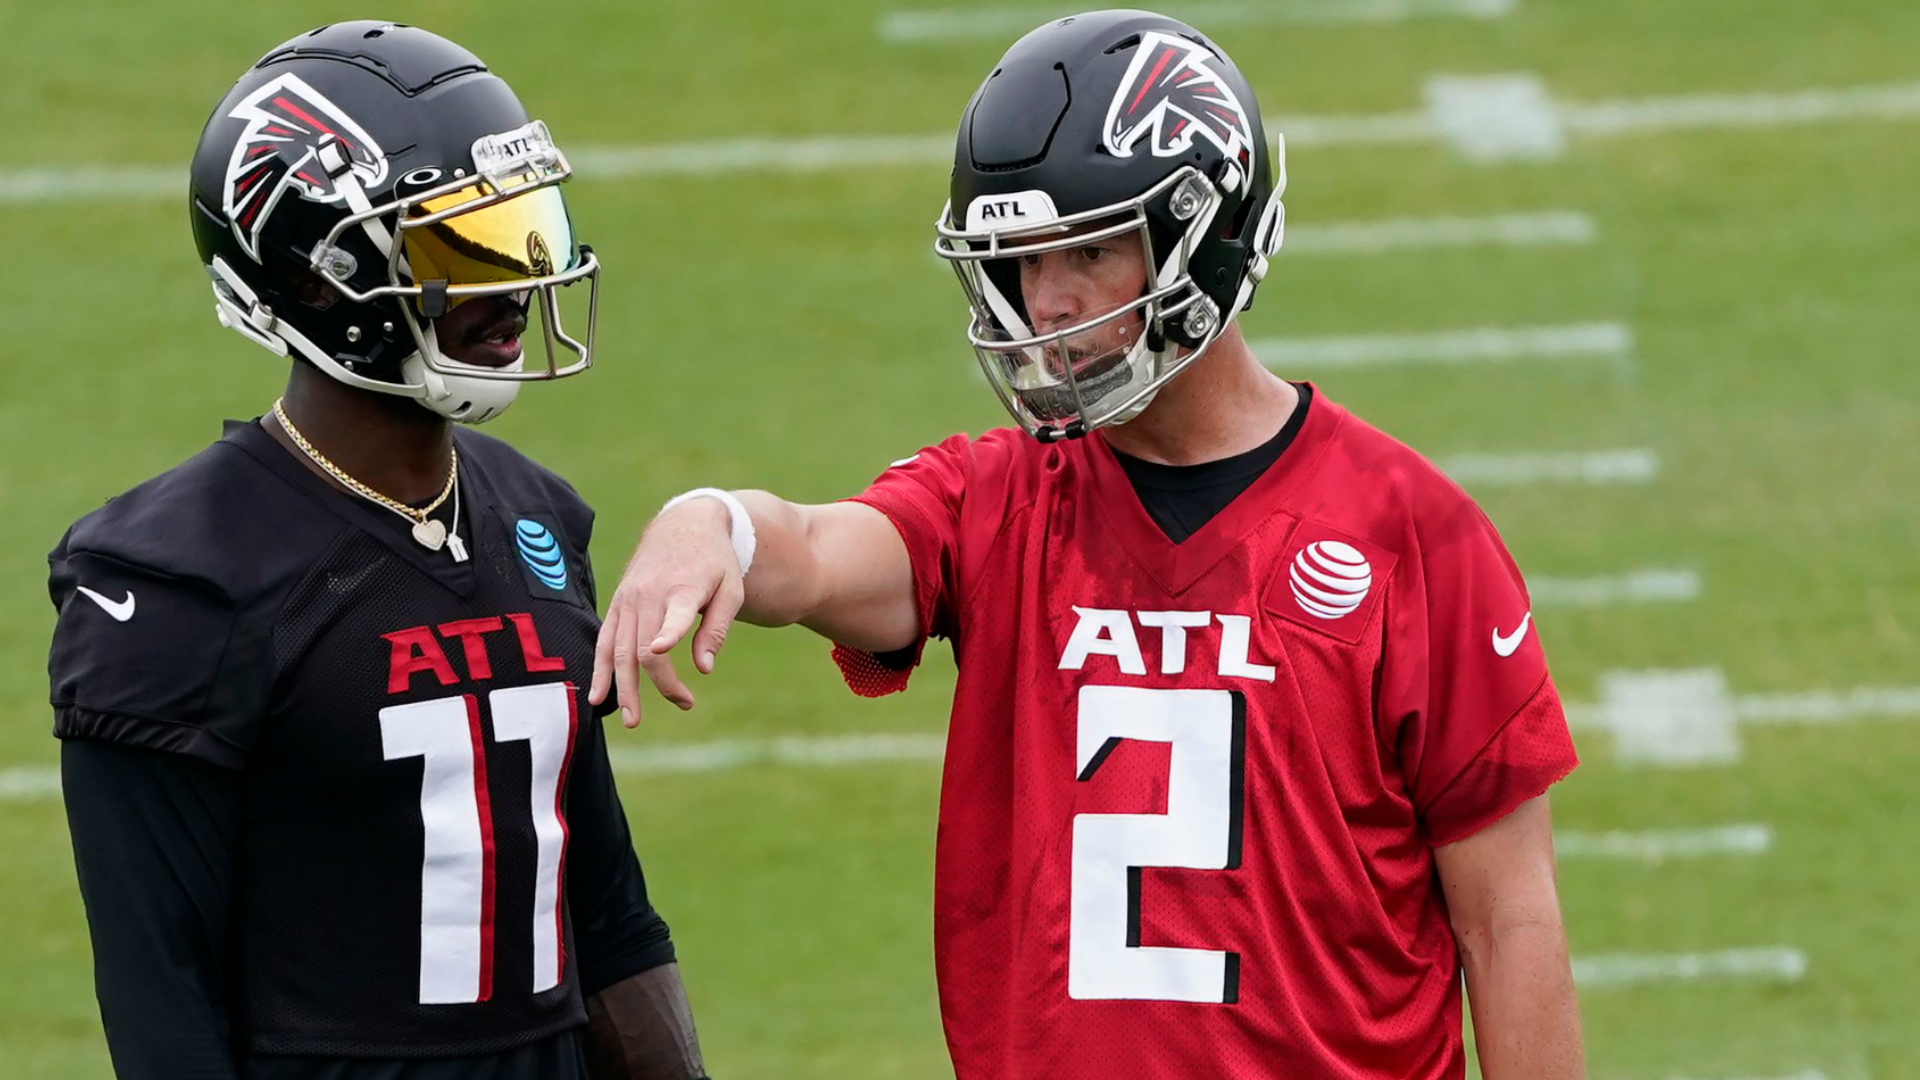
x=1250 y=746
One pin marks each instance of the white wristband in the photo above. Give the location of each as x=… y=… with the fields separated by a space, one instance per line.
x=739 y=522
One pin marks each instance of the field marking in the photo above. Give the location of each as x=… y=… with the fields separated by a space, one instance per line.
x=1809 y=1074
x=1615 y=970
x=1489 y=118
x=1607 y=340
x=818 y=751
x=1652 y=585
x=1660 y=845
x=1670 y=718
x=1683 y=719
x=823 y=153
x=953 y=24
x=1538 y=229
x=1829 y=706
x=1891 y=101
x=29 y=784
x=1594 y=467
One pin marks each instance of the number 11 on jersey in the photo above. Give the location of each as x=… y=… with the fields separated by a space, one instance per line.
x=1206 y=735
x=456 y=876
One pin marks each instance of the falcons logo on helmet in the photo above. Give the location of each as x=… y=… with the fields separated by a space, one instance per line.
x=1172 y=94
x=288 y=122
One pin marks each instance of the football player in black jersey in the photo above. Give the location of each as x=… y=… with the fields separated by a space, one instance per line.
x=339 y=806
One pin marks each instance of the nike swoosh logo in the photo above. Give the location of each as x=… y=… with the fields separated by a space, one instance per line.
x=1506 y=646
x=121 y=610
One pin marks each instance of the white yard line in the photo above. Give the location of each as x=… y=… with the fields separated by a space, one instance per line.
x=1659 y=845
x=1382 y=129
x=1544 y=228
x=85 y=182
x=1656 y=585
x=1830 y=706
x=1613 y=970
x=1809 y=1074
x=1594 y=467
x=1689 y=718
x=1479 y=345
x=934 y=26
x=771 y=155
x=29 y=784
x=1489 y=118
x=1893 y=101
x=1486 y=120
x=1513 y=117
x=1674 y=719
x=819 y=751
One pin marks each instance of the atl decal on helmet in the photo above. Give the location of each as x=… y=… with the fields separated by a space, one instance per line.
x=540 y=550
x=288 y=122
x=1330 y=579
x=1173 y=93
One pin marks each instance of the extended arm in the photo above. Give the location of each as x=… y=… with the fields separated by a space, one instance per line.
x=1499 y=885
x=840 y=569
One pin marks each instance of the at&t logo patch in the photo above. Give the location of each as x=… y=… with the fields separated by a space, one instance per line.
x=1330 y=579
x=540 y=550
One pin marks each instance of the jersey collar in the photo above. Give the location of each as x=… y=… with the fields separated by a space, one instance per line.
x=1175 y=567
x=378 y=522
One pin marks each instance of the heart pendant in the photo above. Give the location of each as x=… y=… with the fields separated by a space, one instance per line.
x=430 y=534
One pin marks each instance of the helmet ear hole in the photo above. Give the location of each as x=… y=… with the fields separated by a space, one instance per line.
x=1236 y=230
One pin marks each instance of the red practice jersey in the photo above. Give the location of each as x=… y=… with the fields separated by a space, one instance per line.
x=1192 y=791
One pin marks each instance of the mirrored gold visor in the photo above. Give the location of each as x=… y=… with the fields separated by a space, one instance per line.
x=519 y=239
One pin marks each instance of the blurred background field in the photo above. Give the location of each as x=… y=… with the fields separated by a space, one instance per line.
x=1649 y=298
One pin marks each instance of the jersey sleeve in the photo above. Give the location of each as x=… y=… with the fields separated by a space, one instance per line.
x=144 y=659
x=617 y=932
x=153 y=841
x=1480 y=728
x=922 y=497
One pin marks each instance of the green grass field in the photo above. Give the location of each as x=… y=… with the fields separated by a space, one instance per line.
x=794 y=332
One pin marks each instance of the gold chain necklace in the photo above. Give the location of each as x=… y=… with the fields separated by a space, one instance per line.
x=429 y=533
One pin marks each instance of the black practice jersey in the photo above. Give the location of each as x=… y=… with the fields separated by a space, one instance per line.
x=423 y=787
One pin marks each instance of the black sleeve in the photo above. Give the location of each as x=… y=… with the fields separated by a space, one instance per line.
x=153 y=837
x=617 y=933
x=152 y=660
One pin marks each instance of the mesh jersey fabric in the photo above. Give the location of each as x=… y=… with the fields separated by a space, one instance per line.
x=1192 y=791
x=292 y=633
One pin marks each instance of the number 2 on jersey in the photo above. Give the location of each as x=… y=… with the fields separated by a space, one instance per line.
x=1206 y=734
x=456 y=876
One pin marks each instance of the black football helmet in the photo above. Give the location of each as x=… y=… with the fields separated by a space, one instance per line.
x=1089 y=128
x=391 y=165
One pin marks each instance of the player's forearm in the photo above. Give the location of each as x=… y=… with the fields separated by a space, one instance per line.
x=787 y=583
x=838 y=569
x=1526 y=1021
x=641 y=1028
